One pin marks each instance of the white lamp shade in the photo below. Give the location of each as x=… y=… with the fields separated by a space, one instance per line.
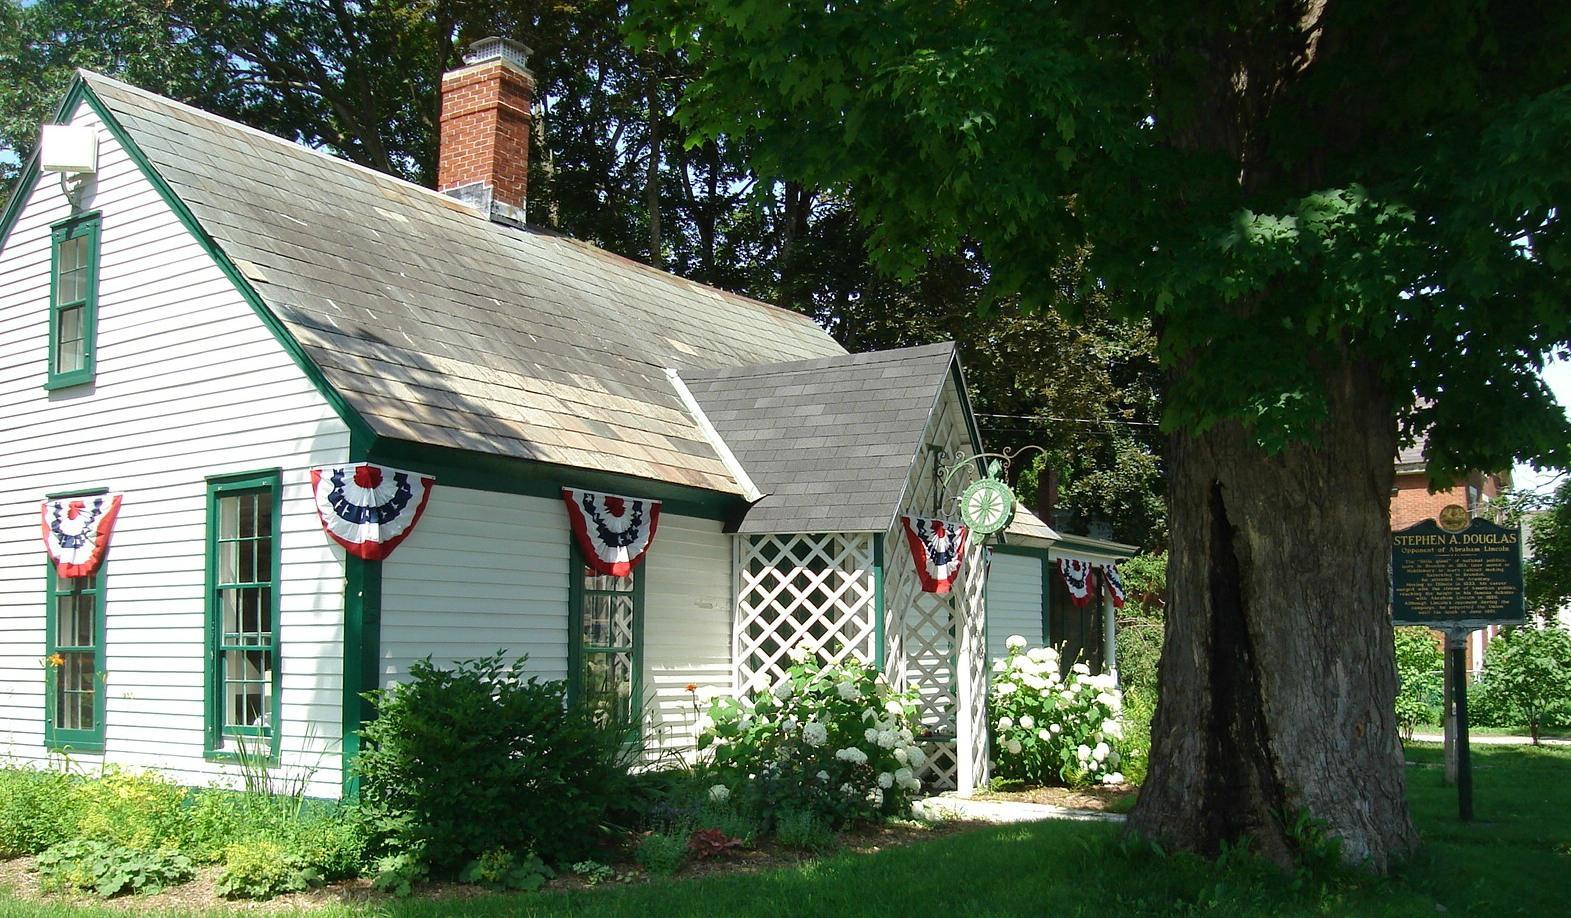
x=67 y=148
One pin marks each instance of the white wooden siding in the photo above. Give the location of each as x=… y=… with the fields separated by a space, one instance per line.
x=189 y=384
x=452 y=596
x=1014 y=601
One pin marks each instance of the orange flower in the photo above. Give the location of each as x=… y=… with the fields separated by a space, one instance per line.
x=55 y=659
x=692 y=686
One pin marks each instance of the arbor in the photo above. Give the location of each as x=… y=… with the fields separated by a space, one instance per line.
x=1324 y=208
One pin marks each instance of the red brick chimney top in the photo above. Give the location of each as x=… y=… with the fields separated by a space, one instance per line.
x=484 y=154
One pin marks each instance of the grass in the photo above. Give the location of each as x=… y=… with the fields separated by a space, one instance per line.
x=1514 y=859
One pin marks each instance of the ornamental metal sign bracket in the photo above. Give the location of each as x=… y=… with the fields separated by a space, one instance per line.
x=986 y=505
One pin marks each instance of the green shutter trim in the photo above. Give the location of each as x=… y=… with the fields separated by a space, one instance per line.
x=1047 y=600
x=878 y=600
x=57 y=739
x=362 y=661
x=80 y=92
x=217 y=486
x=459 y=468
x=80 y=226
x=575 y=635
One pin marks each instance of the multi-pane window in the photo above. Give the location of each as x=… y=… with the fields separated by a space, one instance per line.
x=243 y=609
x=608 y=643
x=74 y=697
x=73 y=306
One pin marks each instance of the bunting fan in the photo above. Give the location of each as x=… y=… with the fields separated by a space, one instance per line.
x=938 y=548
x=613 y=532
x=1079 y=578
x=1115 y=585
x=76 y=532
x=369 y=509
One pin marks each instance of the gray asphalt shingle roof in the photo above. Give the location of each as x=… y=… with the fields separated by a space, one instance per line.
x=829 y=441
x=441 y=327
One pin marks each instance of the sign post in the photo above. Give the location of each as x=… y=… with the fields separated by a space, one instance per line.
x=1455 y=575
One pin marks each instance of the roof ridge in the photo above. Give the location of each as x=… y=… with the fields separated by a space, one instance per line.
x=440 y=197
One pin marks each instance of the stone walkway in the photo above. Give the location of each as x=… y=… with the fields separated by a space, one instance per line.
x=1481 y=739
x=1003 y=811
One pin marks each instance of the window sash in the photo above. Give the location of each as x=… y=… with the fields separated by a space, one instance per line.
x=622 y=647
x=73 y=300
x=244 y=685
x=73 y=687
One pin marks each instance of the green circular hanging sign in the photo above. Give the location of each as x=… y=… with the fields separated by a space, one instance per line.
x=987 y=506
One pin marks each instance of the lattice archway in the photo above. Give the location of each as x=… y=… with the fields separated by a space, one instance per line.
x=816 y=587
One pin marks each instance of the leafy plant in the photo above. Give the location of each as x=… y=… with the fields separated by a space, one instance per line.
x=500 y=869
x=708 y=843
x=804 y=830
x=38 y=810
x=479 y=744
x=261 y=869
x=662 y=853
x=729 y=820
x=143 y=811
x=834 y=740
x=593 y=873
x=1049 y=727
x=1420 y=679
x=109 y=869
x=1527 y=678
x=397 y=874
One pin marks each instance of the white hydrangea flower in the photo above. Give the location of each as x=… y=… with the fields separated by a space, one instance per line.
x=1027 y=721
x=1042 y=655
x=848 y=691
x=848 y=789
x=906 y=779
x=785 y=690
x=1044 y=735
x=1014 y=747
x=870 y=734
x=1113 y=778
x=1081 y=668
x=815 y=733
x=916 y=756
x=1112 y=728
x=1056 y=728
x=720 y=793
x=852 y=754
x=905 y=735
x=1005 y=688
x=1000 y=664
x=894 y=707
x=1082 y=752
x=1101 y=751
x=886 y=739
x=901 y=755
x=886 y=780
x=1014 y=642
x=1005 y=722
x=875 y=797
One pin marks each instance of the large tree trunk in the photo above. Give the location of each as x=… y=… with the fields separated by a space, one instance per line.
x=1278 y=677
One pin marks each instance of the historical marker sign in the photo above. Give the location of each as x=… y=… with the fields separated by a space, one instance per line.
x=1449 y=576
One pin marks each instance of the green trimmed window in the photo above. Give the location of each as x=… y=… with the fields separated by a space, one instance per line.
x=242 y=608
x=73 y=301
x=74 y=681
x=607 y=642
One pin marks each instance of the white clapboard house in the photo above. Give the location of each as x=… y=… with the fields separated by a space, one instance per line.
x=273 y=426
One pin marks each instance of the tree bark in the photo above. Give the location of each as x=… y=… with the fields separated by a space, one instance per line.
x=1278 y=676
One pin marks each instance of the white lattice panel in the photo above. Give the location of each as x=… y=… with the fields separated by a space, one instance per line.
x=971 y=665
x=815 y=587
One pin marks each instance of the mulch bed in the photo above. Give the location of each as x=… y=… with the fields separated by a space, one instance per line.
x=18 y=880
x=1116 y=798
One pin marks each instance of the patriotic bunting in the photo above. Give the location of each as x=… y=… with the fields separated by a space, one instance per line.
x=76 y=532
x=369 y=509
x=1079 y=578
x=938 y=548
x=613 y=532
x=1115 y=585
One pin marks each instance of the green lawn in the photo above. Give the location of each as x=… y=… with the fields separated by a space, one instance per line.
x=1515 y=859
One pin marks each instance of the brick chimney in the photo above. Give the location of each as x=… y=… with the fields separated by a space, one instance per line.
x=483 y=159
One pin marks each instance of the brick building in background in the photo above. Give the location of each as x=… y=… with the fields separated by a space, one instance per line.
x=1412 y=502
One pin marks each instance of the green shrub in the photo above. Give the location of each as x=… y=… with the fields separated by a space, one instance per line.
x=460 y=761
x=1420 y=674
x=1527 y=679
x=662 y=853
x=143 y=811
x=837 y=741
x=109 y=869
x=38 y=810
x=326 y=837
x=397 y=874
x=804 y=830
x=261 y=869
x=500 y=869
x=1048 y=727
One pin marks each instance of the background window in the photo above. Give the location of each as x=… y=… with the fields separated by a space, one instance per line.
x=243 y=610
x=74 y=691
x=73 y=301
x=607 y=642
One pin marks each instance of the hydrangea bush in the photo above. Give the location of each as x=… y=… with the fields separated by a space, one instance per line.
x=1053 y=728
x=836 y=741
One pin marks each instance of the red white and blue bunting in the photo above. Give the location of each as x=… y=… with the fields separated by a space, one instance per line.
x=613 y=532
x=369 y=509
x=1080 y=578
x=76 y=532
x=1115 y=585
x=938 y=548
